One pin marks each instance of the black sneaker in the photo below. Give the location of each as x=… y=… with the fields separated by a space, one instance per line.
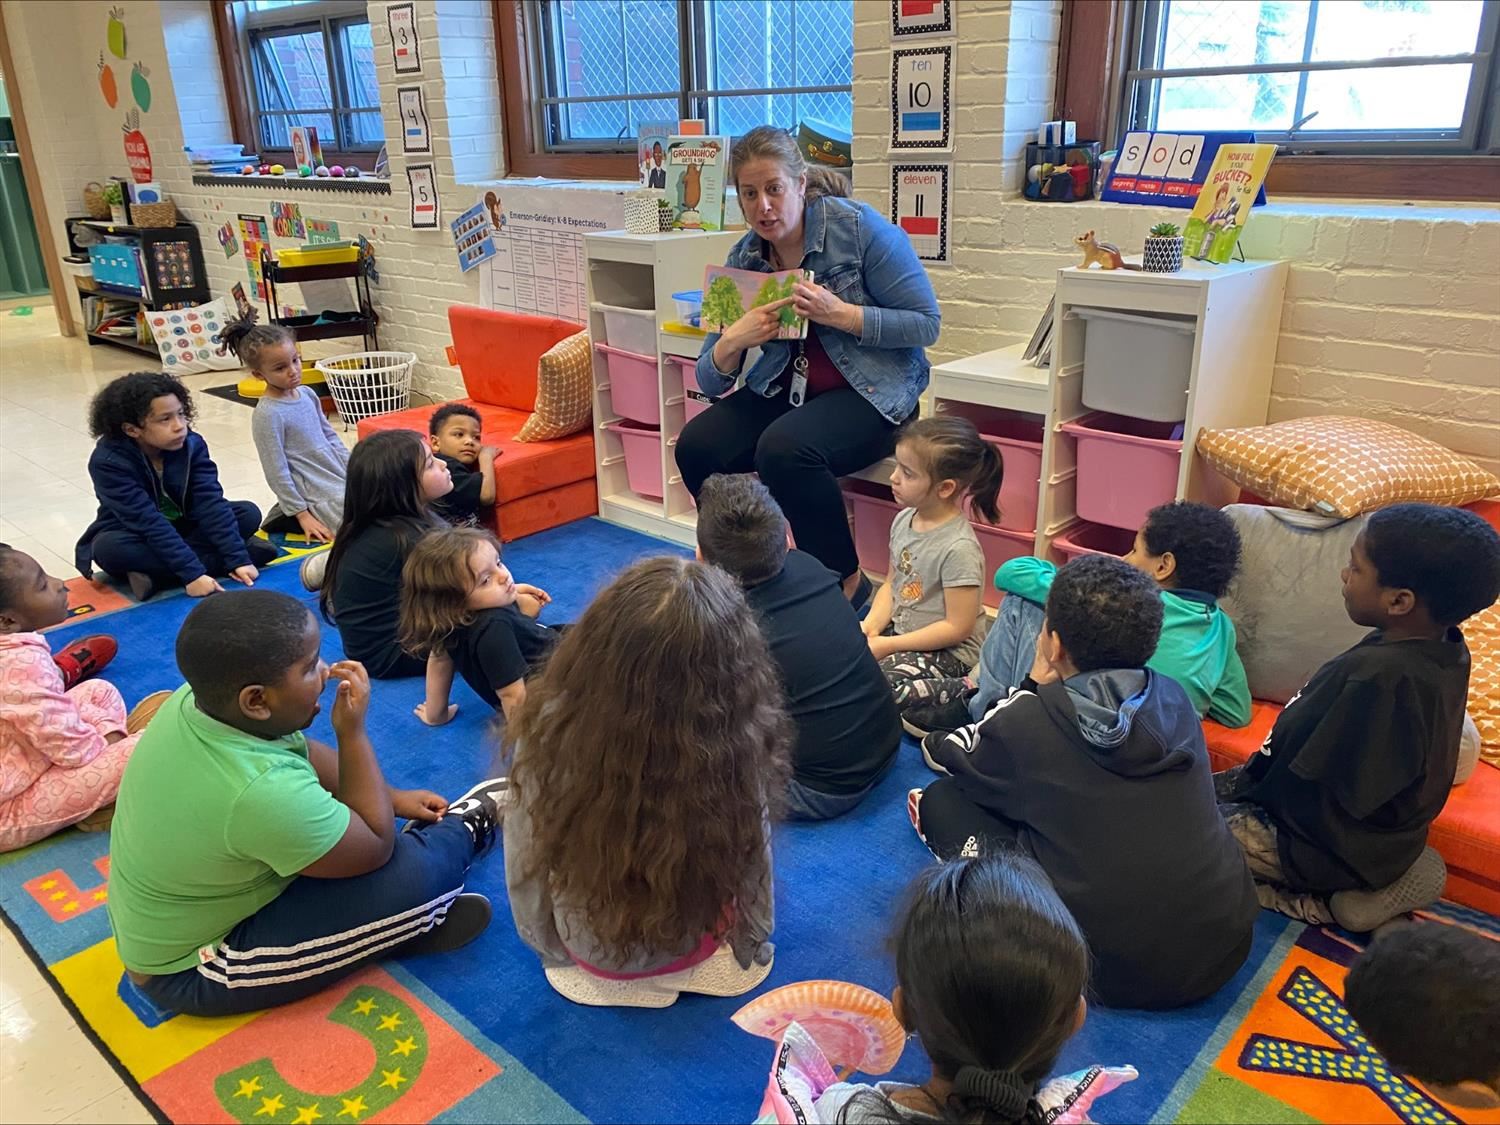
x=483 y=811
x=960 y=741
x=468 y=916
x=141 y=584
x=921 y=719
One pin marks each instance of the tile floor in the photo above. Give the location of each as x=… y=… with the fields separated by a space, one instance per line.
x=49 y=1072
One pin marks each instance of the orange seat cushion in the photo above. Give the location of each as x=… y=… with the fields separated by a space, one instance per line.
x=498 y=353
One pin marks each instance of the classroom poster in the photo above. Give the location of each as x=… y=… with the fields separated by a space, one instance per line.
x=254 y=236
x=228 y=241
x=406 y=56
x=1224 y=204
x=322 y=231
x=414 y=132
x=922 y=99
x=422 y=182
x=921 y=203
x=916 y=19
x=286 y=220
x=473 y=237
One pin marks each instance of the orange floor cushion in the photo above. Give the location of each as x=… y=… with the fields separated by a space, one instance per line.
x=1466 y=833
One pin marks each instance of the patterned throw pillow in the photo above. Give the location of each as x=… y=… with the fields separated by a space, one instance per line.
x=1343 y=466
x=564 y=391
x=1482 y=632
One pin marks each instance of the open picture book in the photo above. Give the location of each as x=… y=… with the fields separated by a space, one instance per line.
x=729 y=294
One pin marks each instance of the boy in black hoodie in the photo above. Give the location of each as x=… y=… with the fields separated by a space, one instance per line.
x=1097 y=768
x=1333 y=812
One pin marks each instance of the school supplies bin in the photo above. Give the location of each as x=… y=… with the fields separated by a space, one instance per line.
x=298 y=256
x=1126 y=467
x=689 y=306
x=999 y=545
x=630 y=330
x=1092 y=539
x=873 y=515
x=1136 y=365
x=117 y=264
x=632 y=384
x=642 y=447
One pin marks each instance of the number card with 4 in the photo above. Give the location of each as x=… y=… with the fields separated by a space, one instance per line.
x=922 y=99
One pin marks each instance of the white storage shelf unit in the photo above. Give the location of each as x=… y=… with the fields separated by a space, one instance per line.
x=642 y=271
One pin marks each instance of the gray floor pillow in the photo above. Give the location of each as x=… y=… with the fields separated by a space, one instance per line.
x=1286 y=603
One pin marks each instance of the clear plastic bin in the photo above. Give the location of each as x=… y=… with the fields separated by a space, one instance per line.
x=1136 y=365
x=631 y=330
x=1126 y=467
x=689 y=307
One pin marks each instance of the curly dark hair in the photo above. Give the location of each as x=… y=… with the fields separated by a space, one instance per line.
x=1202 y=540
x=1428 y=996
x=741 y=528
x=247 y=339
x=451 y=410
x=1448 y=557
x=1106 y=613
x=652 y=823
x=127 y=401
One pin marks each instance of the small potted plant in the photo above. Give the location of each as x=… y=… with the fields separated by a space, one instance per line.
x=1163 y=249
x=114 y=195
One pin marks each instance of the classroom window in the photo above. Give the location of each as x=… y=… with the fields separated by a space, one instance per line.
x=311 y=62
x=1317 y=76
x=601 y=68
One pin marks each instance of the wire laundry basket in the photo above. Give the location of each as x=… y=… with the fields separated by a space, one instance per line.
x=364 y=384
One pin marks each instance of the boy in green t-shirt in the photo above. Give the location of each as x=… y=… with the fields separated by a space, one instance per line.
x=1191 y=550
x=251 y=866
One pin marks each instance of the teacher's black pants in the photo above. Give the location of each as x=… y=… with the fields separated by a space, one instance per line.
x=799 y=453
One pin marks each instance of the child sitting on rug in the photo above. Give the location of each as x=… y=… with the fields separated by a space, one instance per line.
x=991 y=972
x=1096 y=767
x=461 y=608
x=300 y=453
x=1428 y=997
x=648 y=758
x=1191 y=550
x=927 y=620
x=163 y=519
x=393 y=480
x=1333 y=812
x=251 y=866
x=62 y=749
x=456 y=442
x=847 y=727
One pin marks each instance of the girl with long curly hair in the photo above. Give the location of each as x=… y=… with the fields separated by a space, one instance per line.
x=647 y=760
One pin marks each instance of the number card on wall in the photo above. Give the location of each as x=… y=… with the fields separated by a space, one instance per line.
x=424 y=196
x=405 y=54
x=920 y=207
x=1167 y=169
x=921 y=98
x=916 y=19
x=414 y=134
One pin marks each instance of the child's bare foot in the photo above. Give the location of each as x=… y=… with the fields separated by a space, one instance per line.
x=143 y=711
x=97 y=821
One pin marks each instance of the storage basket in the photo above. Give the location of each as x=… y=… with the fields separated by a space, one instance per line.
x=364 y=384
x=163 y=214
x=1126 y=467
x=642 y=448
x=1136 y=365
x=694 y=401
x=94 y=202
x=631 y=330
x=1092 y=539
x=632 y=385
x=873 y=516
x=999 y=545
x=116 y=264
x=640 y=213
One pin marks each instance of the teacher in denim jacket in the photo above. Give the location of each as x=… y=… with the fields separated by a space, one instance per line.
x=810 y=412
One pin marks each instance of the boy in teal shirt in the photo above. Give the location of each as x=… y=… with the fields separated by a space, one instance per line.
x=251 y=866
x=1192 y=552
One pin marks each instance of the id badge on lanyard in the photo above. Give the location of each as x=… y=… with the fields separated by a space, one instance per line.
x=798 y=393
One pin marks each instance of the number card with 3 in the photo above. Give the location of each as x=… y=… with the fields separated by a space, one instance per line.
x=406 y=56
x=921 y=99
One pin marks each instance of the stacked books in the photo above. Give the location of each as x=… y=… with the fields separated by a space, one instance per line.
x=217 y=160
x=1039 y=350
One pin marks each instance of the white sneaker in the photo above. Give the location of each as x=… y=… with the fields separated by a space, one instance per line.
x=313 y=569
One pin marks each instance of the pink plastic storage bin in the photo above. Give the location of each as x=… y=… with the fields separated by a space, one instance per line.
x=1000 y=545
x=632 y=385
x=1092 y=539
x=642 y=445
x=1018 y=437
x=694 y=401
x=873 y=515
x=1126 y=467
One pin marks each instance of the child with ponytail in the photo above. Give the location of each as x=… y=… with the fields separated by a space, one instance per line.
x=927 y=619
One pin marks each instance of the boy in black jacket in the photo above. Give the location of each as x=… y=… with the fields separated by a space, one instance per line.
x=1097 y=768
x=1333 y=812
x=163 y=519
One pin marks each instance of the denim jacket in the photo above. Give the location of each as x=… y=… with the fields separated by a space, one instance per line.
x=863 y=260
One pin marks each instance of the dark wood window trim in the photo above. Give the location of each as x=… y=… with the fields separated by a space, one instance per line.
x=1089 y=72
x=233 y=70
x=524 y=155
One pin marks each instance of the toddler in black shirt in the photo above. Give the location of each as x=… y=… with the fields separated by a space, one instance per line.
x=463 y=610
x=1333 y=812
x=456 y=442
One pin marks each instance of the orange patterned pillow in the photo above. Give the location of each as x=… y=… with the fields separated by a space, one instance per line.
x=1343 y=466
x=564 y=391
x=1482 y=632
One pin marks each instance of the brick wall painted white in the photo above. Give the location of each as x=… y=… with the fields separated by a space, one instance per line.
x=192 y=49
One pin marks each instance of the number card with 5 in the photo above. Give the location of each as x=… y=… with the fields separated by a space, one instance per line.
x=922 y=99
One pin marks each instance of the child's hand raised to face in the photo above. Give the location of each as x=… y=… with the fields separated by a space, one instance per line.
x=1041 y=671
x=351 y=701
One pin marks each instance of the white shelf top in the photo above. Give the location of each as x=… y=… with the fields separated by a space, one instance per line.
x=614 y=237
x=1193 y=272
x=1003 y=365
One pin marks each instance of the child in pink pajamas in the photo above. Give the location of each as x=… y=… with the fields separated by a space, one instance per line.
x=62 y=751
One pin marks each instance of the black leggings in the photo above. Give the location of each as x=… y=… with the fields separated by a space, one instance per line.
x=799 y=453
x=118 y=551
x=952 y=825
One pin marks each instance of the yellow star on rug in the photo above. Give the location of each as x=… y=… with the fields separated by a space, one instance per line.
x=390 y=1022
x=354 y=1106
x=69 y=907
x=55 y=895
x=100 y=896
x=307 y=1114
x=248 y=1086
x=364 y=1007
x=269 y=1107
x=49 y=884
x=405 y=1046
x=393 y=1078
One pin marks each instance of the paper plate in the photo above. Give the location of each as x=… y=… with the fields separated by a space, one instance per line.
x=852 y=1026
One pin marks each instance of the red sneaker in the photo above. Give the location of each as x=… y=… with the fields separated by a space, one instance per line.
x=82 y=659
